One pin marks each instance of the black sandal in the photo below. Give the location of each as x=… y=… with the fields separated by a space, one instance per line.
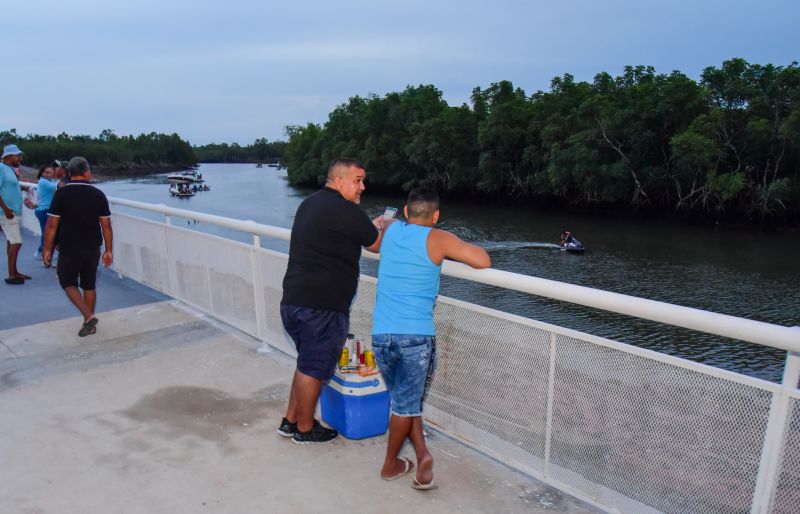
x=87 y=327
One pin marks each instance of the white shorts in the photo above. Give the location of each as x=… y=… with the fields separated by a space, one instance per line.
x=11 y=228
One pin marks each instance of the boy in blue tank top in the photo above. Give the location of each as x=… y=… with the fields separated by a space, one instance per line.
x=403 y=335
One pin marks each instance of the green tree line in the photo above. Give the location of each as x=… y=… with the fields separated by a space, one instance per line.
x=726 y=146
x=107 y=151
x=261 y=150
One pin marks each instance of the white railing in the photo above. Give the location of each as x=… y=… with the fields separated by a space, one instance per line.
x=624 y=428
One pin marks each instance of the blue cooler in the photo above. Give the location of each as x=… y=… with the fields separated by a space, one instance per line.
x=356 y=406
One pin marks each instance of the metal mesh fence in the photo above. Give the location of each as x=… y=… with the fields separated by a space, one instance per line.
x=632 y=429
x=140 y=251
x=786 y=498
x=272 y=268
x=672 y=438
x=493 y=374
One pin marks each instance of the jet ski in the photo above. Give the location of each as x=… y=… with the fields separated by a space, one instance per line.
x=573 y=246
x=570 y=244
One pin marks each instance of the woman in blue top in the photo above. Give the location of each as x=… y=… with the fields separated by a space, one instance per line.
x=46 y=187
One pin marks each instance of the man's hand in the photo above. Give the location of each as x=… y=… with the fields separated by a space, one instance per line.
x=8 y=212
x=46 y=256
x=379 y=222
x=108 y=259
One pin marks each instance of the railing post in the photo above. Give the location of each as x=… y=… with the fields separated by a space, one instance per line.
x=774 y=436
x=258 y=287
x=548 y=429
x=169 y=287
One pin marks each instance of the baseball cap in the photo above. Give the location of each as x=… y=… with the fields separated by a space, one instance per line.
x=11 y=150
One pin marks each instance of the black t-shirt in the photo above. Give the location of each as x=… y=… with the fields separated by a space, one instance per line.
x=327 y=236
x=79 y=205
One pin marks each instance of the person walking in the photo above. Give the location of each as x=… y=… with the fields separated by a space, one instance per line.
x=11 y=205
x=81 y=212
x=328 y=233
x=403 y=334
x=45 y=188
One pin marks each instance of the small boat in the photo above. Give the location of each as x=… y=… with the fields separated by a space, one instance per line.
x=180 y=190
x=259 y=165
x=185 y=177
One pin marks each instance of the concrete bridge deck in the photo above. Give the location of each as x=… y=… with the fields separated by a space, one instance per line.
x=167 y=410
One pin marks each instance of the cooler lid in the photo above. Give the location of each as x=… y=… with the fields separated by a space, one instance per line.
x=356 y=385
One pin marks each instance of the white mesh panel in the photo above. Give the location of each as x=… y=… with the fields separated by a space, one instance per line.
x=492 y=373
x=273 y=268
x=786 y=499
x=672 y=438
x=214 y=274
x=361 y=311
x=140 y=251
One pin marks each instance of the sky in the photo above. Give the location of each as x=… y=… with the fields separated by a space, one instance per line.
x=236 y=70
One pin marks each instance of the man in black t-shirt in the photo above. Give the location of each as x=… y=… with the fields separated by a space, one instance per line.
x=328 y=233
x=80 y=212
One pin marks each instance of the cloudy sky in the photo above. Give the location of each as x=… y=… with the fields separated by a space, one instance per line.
x=236 y=70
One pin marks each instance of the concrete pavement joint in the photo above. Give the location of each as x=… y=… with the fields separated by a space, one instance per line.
x=7 y=348
x=21 y=370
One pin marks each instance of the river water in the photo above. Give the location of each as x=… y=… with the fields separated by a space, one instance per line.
x=742 y=273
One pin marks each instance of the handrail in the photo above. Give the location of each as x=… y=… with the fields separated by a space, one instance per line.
x=249 y=226
x=758 y=332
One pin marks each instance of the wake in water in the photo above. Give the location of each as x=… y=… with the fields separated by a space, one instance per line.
x=515 y=245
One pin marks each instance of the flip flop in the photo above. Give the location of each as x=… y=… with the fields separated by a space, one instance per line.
x=15 y=281
x=408 y=467
x=24 y=277
x=87 y=327
x=430 y=486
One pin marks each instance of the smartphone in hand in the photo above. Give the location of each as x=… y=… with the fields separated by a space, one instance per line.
x=389 y=213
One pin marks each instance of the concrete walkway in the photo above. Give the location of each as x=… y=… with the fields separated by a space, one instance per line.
x=166 y=410
x=42 y=299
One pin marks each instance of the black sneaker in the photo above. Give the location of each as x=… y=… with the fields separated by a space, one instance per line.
x=287 y=429
x=317 y=434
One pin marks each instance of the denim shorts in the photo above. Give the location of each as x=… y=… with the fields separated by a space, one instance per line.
x=319 y=337
x=407 y=363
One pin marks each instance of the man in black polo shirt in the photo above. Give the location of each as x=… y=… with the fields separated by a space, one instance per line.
x=328 y=233
x=81 y=212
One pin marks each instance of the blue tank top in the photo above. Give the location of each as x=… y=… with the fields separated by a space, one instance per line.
x=408 y=282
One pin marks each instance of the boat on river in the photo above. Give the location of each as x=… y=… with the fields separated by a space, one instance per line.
x=180 y=190
x=185 y=177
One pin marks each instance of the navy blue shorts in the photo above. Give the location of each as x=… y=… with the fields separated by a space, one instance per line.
x=319 y=337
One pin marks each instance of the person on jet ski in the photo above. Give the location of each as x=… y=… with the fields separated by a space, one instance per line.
x=566 y=238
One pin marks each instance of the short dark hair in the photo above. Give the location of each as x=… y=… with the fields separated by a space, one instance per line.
x=346 y=162
x=77 y=166
x=422 y=202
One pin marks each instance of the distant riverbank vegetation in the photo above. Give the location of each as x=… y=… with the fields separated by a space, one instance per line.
x=261 y=150
x=145 y=153
x=107 y=152
x=726 y=147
